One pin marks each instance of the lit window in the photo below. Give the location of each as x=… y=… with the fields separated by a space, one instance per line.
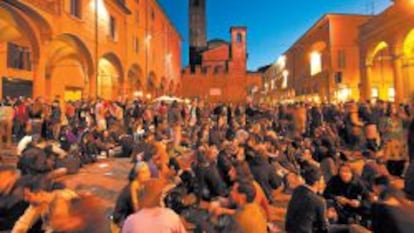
x=343 y=94
x=75 y=8
x=391 y=94
x=285 y=79
x=316 y=63
x=282 y=61
x=374 y=92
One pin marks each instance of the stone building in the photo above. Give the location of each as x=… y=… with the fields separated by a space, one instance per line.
x=217 y=69
x=387 y=54
x=323 y=65
x=87 y=48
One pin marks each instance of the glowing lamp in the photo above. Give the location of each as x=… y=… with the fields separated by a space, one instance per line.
x=138 y=94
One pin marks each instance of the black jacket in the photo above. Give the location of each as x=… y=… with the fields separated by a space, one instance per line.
x=34 y=161
x=210 y=183
x=306 y=212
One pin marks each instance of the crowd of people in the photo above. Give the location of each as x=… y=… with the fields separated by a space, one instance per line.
x=215 y=167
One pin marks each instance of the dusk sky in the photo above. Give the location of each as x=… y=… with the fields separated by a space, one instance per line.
x=273 y=25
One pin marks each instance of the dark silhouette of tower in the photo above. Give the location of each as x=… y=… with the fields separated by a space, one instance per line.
x=198 y=40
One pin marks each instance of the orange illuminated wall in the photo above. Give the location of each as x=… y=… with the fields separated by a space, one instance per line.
x=68 y=53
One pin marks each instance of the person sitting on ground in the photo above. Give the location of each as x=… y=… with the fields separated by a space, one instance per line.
x=12 y=202
x=391 y=212
x=127 y=202
x=249 y=215
x=350 y=196
x=240 y=171
x=34 y=159
x=210 y=183
x=152 y=217
x=61 y=210
x=306 y=212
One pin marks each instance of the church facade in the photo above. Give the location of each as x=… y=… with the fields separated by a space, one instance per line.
x=217 y=70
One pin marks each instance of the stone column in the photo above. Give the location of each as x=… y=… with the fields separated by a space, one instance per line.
x=92 y=85
x=125 y=90
x=398 y=79
x=3 y=65
x=366 y=82
x=39 y=76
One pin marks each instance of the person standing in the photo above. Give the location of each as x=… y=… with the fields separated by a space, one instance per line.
x=100 y=115
x=55 y=118
x=393 y=135
x=6 y=123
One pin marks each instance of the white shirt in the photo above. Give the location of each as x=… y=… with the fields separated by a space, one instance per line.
x=154 y=220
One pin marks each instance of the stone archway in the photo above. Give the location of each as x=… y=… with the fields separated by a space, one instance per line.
x=152 y=87
x=408 y=64
x=23 y=29
x=134 y=82
x=171 y=88
x=19 y=37
x=110 y=77
x=68 y=68
x=381 y=75
x=163 y=87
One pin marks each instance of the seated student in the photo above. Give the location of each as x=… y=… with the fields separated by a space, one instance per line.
x=127 y=202
x=208 y=178
x=349 y=194
x=241 y=171
x=152 y=217
x=12 y=203
x=88 y=148
x=249 y=215
x=392 y=212
x=373 y=168
x=34 y=159
x=105 y=143
x=126 y=143
x=306 y=212
x=264 y=173
x=61 y=210
x=67 y=138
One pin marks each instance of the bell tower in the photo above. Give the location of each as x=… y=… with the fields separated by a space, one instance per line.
x=238 y=48
x=198 y=40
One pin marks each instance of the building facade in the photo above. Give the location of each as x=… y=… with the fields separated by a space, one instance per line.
x=87 y=48
x=217 y=70
x=387 y=54
x=323 y=65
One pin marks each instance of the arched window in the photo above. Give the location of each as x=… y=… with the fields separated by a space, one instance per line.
x=217 y=69
x=239 y=38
